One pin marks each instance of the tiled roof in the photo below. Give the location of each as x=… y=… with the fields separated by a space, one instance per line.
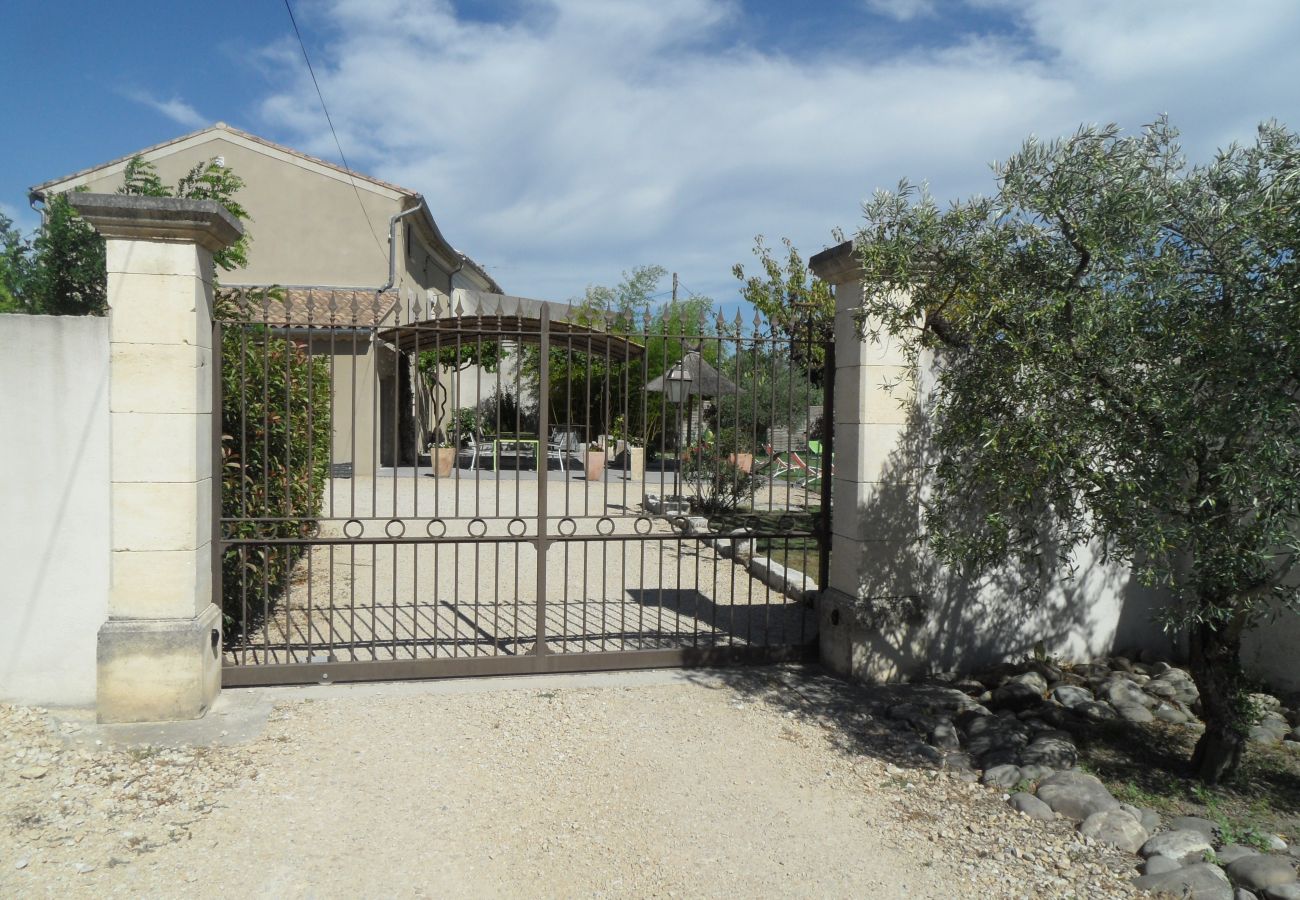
x=304 y=307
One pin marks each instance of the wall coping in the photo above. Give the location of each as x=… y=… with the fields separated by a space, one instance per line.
x=203 y=222
x=836 y=265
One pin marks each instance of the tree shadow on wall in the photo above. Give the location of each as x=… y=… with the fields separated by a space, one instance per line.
x=912 y=614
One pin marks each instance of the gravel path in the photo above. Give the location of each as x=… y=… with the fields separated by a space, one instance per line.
x=766 y=782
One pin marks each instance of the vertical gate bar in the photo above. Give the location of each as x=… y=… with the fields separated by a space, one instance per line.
x=218 y=469
x=288 y=509
x=424 y=420
x=828 y=450
x=645 y=469
x=266 y=476
x=352 y=488
x=311 y=466
x=400 y=300
x=543 y=423
x=565 y=617
x=604 y=545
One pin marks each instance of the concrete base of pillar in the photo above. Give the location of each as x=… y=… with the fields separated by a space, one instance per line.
x=871 y=652
x=155 y=670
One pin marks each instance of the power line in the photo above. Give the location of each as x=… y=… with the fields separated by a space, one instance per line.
x=312 y=72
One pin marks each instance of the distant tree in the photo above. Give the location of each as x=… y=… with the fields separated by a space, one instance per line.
x=15 y=267
x=67 y=267
x=61 y=272
x=1118 y=339
x=795 y=303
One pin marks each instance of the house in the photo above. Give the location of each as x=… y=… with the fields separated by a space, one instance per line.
x=326 y=233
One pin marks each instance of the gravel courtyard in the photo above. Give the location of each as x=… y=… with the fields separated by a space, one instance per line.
x=755 y=783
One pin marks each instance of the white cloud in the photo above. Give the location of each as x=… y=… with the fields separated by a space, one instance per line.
x=24 y=218
x=902 y=10
x=175 y=109
x=584 y=137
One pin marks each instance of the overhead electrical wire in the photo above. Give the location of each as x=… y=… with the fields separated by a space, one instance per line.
x=312 y=72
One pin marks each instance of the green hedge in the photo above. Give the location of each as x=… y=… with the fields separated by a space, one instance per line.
x=275 y=454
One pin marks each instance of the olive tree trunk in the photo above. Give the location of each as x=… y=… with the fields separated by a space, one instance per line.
x=1216 y=667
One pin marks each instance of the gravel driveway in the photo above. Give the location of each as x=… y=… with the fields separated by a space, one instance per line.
x=759 y=783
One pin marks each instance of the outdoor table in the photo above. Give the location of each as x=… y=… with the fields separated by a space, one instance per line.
x=512 y=446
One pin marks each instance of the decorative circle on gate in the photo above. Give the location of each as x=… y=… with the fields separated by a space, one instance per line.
x=602 y=522
x=678 y=524
x=716 y=526
x=640 y=520
x=441 y=528
x=785 y=523
x=348 y=528
x=573 y=526
x=395 y=528
x=752 y=524
x=476 y=527
x=523 y=526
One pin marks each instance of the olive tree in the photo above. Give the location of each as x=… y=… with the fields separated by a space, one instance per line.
x=1117 y=343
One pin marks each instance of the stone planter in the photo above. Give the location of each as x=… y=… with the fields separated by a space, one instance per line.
x=443 y=458
x=636 y=463
x=742 y=461
x=594 y=464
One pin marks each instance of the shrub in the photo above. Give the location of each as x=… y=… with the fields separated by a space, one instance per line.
x=717 y=484
x=275 y=452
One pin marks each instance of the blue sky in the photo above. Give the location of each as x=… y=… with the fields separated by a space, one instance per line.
x=560 y=142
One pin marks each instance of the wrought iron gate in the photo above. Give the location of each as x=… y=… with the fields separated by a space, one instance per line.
x=415 y=489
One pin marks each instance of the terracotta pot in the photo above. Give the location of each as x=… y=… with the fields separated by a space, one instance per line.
x=742 y=461
x=443 y=460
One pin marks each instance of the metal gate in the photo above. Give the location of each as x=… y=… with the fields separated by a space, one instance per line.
x=427 y=487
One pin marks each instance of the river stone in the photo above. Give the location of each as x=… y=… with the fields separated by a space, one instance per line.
x=1070 y=695
x=1258 y=873
x=1230 y=853
x=1096 y=710
x=1182 y=845
x=944 y=736
x=1201 y=881
x=1282 y=892
x=1132 y=712
x=1035 y=773
x=1158 y=865
x=1166 y=713
x=1122 y=692
x=1005 y=777
x=1075 y=795
x=1243 y=894
x=1017 y=695
x=1050 y=750
x=1027 y=803
x=1194 y=823
x=1116 y=828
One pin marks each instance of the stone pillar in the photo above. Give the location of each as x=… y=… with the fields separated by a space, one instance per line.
x=866 y=616
x=159 y=653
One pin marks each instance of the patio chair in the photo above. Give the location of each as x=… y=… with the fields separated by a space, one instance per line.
x=774 y=466
x=562 y=445
x=477 y=448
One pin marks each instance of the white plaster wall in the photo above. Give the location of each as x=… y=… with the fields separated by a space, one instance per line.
x=1271 y=651
x=54 y=493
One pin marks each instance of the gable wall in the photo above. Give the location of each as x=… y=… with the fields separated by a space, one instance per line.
x=306 y=227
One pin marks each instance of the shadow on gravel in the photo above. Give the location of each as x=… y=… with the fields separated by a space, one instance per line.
x=852 y=715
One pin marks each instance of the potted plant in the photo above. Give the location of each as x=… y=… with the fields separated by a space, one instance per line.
x=442 y=455
x=738 y=447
